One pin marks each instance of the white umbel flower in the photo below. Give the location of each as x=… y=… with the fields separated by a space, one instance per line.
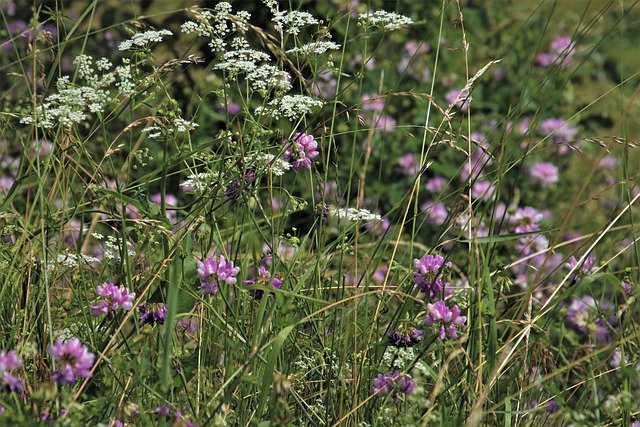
x=354 y=214
x=315 y=48
x=142 y=40
x=387 y=20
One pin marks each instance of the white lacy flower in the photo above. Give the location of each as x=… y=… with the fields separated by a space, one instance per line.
x=315 y=48
x=290 y=106
x=292 y=21
x=199 y=182
x=141 y=40
x=354 y=214
x=383 y=19
x=276 y=166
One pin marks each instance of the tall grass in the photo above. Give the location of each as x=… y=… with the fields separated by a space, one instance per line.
x=431 y=222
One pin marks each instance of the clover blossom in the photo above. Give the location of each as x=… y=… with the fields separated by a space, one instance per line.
x=114 y=298
x=73 y=359
x=9 y=362
x=545 y=173
x=426 y=274
x=301 y=151
x=153 y=313
x=447 y=318
x=392 y=383
x=405 y=337
x=215 y=270
x=264 y=278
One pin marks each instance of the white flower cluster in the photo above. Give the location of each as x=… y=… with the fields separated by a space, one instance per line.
x=277 y=166
x=290 y=106
x=178 y=125
x=199 y=182
x=315 y=48
x=354 y=214
x=142 y=40
x=217 y=26
x=112 y=246
x=266 y=77
x=383 y=19
x=291 y=21
x=69 y=105
x=70 y=260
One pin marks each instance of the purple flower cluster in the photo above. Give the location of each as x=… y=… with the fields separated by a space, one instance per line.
x=214 y=271
x=561 y=52
x=545 y=173
x=9 y=363
x=592 y=318
x=392 y=383
x=301 y=151
x=113 y=298
x=447 y=318
x=153 y=313
x=73 y=361
x=426 y=274
x=264 y=278
x=561 y=132
x=405 y=337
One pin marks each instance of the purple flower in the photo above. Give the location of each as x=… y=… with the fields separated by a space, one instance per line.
x=590 y=317
x=378 y=227
x=9 y=362
x=526 y=219
x=301 y=151
x=372 y=102
x=113 y=298
x=237 y=184
x=264 y=279
x=163 y=410
x=447 y=318
x=426 y=274
x=215 y=270
x=458 y=98
x=405 y=337
x=545 y=173
x=188 y=326
x=73 y=361
x=384 y=123
x=169 y=200
x=392 y=383
x=587 y=266
x=435 y=184
x=560 y=131
x=153 y=313
x=437 y=213
x=482 y=190
x=407 y=165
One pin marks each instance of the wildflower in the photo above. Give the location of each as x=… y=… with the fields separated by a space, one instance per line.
x=447 y=318
x=482 y=190
x=560 y=132
x=9 y=362
x=384 y=123
x=301 y=151
x=292 y=21
x=153 y=313
x=266 y=161
x=545 y=173
x=353 y=214
x=169 y=200
x=392 y=383
x=458 y=98
x=163 y=410
x=142 y=40
x=215 y=270
x=386 y=20
x=324 y=85
x=372 y=102
x=290 y=106
x=587 y=266
x=407 y=165
x=315 y=48
x=590 y=317
x=378 y=228
x=114 y=297
x=264 y=278
x=526 y=219
x=426 y=274
x=236 y=185
x=405 y=337
x=437 y=213
x=435 y=184
x=73 y=359
x=188 y=326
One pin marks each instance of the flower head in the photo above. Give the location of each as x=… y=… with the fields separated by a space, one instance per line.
x=264 y=278
x=73 y=361
x=113 y=298
x=392 y=383
x=153 y=313
x=545 y=173
x=215 y=270
x=405 y=337
x=426 y=274
x=301 y=151
x=10 y=362
x=448 y=319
